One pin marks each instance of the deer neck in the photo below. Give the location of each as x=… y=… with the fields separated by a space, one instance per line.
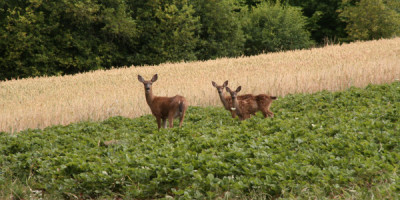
x=235 y=105
x=223 y=100
x=149 y=97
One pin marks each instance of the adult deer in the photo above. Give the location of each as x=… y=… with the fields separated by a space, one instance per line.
x=246 y=107
x=164 y=107
x=227 y=100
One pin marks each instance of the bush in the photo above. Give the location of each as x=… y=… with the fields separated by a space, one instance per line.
x=220 y=34
x=166 y=31
x=65 y=37
x=273 y=27
x=372 y=19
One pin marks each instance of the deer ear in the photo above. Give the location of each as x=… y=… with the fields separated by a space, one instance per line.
x=225 y=83
x=140 y=78
x=228 y=90
x=155 y=77
x=214 y=84
x=239 y=88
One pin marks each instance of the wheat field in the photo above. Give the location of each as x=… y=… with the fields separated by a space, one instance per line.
x=45 y=101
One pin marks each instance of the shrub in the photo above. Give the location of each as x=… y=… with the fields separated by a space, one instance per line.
x=273 y=27
x=220 y=34
x=372 y=19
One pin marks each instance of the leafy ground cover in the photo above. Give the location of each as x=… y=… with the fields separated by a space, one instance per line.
x=323 y=145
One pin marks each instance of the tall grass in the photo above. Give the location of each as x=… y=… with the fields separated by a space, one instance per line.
x=45 y=101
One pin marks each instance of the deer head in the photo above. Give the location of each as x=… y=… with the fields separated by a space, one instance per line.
x=220 y=89
x=234 y=96
x=148 y=84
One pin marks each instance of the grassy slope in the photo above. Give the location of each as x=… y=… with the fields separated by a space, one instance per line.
x=99 y=95
x=341 y=144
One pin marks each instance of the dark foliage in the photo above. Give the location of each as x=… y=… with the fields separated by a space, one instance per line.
x=46 y=38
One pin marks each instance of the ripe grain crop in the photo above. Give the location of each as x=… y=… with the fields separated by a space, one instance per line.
x=45 y=101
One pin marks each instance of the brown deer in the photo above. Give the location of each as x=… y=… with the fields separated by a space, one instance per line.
x=227 y=100
x=164 y=107
x=246 y=107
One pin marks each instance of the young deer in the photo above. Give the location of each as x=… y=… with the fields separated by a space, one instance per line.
x=226 y=100
x=164 y=107
x=246 y=107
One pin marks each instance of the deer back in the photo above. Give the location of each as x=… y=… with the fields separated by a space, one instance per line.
x=247 y=106
x=264 y=101
x=229 y=103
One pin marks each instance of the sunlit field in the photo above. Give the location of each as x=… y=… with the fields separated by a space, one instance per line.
x=46 y=101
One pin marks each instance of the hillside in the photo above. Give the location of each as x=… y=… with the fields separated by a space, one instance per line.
x=341 y=145
x=98 y=95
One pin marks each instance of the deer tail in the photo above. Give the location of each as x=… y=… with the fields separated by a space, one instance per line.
x=273 y=97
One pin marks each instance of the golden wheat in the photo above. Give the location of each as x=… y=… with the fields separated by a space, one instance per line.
x=46 y=101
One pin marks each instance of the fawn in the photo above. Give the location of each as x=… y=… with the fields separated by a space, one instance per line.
x=226 y=100
x=164 y=107
x=246 y=107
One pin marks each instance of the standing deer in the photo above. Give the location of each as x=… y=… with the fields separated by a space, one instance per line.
x=246 y=107
x=226 y=100
x=164 y=107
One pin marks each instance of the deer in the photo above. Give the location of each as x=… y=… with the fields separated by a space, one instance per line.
x=164 y=107
x=246 y=107
x=226 y=100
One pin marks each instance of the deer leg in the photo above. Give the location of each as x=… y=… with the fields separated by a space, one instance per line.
x=159 y=122
x=271 y=114
x=233 y=113
x=181 y=117
x=164 y=123
x=171 y=116
x=171 y=121
x=265 y=112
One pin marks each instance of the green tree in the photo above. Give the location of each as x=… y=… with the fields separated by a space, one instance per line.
x=62 y=37
x=272 y=27
x=323 y=20
x=372 y=19
x=166 y=29
x=220 y=34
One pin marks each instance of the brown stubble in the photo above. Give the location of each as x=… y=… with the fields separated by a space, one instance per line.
x=46 y=101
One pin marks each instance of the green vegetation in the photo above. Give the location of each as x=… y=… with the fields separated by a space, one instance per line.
x=64 y=37
x=323 y=19
x=328 y=144
x=70 y=36
x=220 y=33
x=372 y=19
x=272 y=27
x=166 y=31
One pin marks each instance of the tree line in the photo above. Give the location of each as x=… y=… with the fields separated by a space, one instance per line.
x=41 y=37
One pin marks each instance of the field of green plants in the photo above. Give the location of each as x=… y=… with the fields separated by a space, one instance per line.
x=324 y=145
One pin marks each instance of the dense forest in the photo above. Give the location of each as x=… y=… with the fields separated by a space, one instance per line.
x=42 y=37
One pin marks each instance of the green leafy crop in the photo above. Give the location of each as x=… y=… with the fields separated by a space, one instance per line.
x=328 y=144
